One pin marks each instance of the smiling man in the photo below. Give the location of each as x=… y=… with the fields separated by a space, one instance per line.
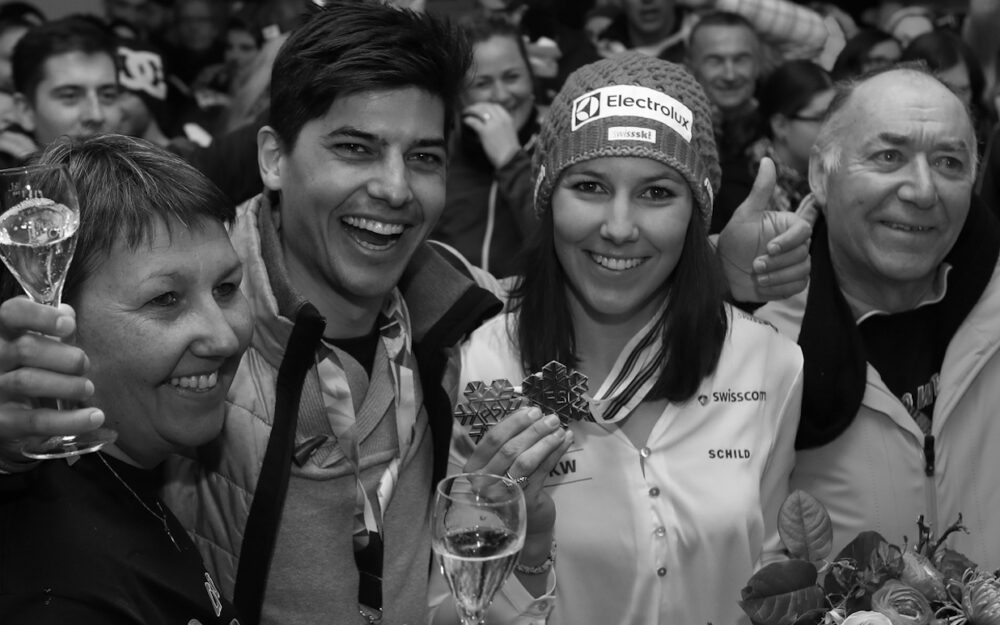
x=899 y=325
x=340 y=424
x=66 y=80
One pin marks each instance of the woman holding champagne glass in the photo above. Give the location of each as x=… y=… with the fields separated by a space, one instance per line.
x=160 y=326
x=667 y=498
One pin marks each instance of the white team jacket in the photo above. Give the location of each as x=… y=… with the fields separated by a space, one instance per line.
x=873 y=475
x=669 y=533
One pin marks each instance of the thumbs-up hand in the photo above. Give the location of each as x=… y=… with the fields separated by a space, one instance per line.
x=764 y=253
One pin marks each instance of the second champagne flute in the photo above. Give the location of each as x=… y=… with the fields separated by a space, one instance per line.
x=477 y=531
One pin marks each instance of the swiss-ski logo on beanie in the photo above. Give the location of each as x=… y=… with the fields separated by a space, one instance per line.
x=632 y=101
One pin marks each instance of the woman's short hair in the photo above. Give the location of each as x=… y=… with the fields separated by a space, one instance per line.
x=789 y=89
x=126 y=187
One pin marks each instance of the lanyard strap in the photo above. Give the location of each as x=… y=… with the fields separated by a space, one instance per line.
x=633 y=374
x=395 y=358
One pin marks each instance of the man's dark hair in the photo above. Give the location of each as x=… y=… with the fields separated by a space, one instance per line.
x=70 y=34
x=723 y=19
x=351 y=47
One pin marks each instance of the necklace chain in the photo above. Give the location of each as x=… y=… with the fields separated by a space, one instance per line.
x=161 y=517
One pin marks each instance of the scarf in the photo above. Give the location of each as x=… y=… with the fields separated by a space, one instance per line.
x=836 y=360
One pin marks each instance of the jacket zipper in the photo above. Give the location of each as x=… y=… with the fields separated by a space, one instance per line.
x=930 y=487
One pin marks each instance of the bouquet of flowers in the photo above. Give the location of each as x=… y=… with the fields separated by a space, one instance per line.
x=871 y=581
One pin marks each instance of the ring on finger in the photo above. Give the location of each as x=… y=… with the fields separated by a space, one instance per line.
x=486 y=117
x=520 y=481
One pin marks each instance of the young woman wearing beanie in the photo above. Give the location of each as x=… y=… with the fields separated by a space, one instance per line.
x=668 y=497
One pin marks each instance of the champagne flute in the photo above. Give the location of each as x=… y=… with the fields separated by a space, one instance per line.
x=477 y=532
x=39 y=217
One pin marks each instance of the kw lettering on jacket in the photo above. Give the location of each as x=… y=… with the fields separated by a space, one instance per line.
x=572 y=468
x=564 y=467
x=632 y=101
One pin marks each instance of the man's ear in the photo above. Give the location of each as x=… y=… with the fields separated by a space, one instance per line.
x=270 y=157
x=25 y=111
x=817 y=177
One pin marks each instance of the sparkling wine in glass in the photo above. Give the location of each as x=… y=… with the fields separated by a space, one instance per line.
x=477 y=532
x=39 y=218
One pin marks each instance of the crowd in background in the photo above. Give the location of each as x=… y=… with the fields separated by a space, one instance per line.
x=194 y=75
x=851 y=295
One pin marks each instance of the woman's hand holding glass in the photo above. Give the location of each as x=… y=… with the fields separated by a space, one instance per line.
x=38 y=232
x=527 y=444
x=36 y=364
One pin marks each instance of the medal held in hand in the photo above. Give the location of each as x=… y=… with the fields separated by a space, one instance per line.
x=555 y=389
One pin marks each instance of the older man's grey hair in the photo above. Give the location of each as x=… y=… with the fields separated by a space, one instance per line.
x=828 y=149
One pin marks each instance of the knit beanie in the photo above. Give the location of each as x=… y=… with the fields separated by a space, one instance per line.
x=630 y=105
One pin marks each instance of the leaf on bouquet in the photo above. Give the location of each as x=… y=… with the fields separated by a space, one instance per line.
x=804 y=526
x=859 y=551
x=781 y=593
x=922 y=575
x=952 y=564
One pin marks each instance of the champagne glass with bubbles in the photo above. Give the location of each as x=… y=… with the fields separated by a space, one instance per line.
x=477 y=531
x=39 y=217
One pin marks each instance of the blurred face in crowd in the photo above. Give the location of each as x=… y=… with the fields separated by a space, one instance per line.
x=896 y=185
x=957 y=78
x=361 y=189
x=911 y=27
x=77 y=96
x=197 y=24
x=136 y=116
x=650 y=18
x=164 y=327
x=9 y=39
x=619 y=227
x=796 y=134
x=596 y=25
x=241 y=48
x=500 y=75
x=724 y=59
x=147 y=16
x=882 y=54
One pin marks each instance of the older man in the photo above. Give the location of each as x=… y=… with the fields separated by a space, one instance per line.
x=899 y=326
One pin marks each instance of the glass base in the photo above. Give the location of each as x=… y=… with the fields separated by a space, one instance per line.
x=66 y=446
